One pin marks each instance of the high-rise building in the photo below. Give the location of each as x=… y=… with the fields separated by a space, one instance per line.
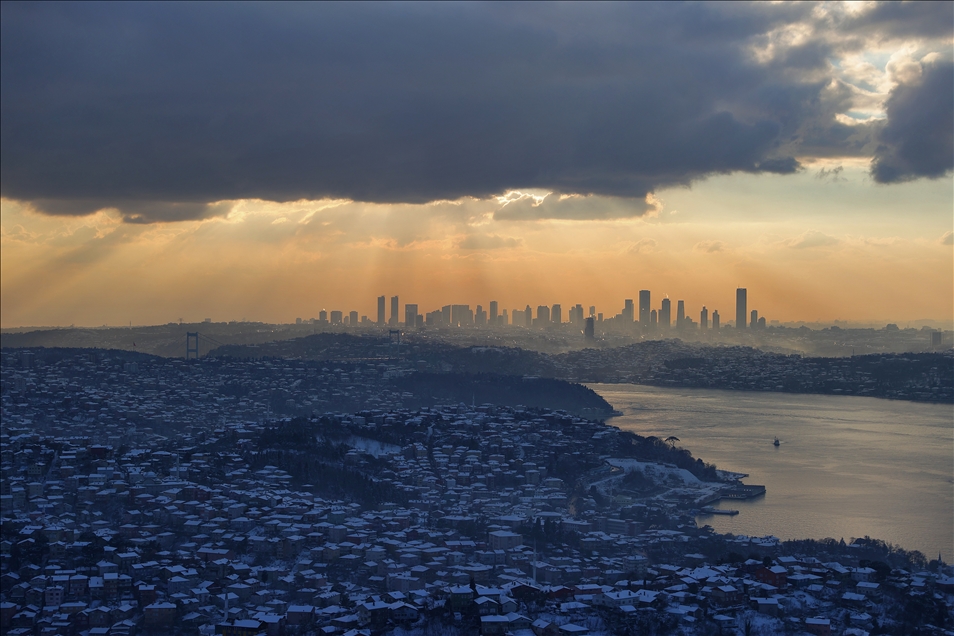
x=754 y=322
x=381 y=311
x=715 y=320
x=741 y=308
x=628 y=311
x=353 y=318
x=323 y=317
x=664 y=317
x=653 y=318
x=461 y=315
x=592 y=310
x=493 y=313
x=589 y=329
x=336 y=317
x=394 y=312
x=543 y=316
x=644 y=307
x=446 y=315
x=410 y=316
x=503 y=319
x=480 y=317
x=680 y=313
x=528 y=317
x=517 y=318
x=556 y=314
x=704 y=318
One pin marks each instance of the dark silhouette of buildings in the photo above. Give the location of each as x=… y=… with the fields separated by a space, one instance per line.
x=704 y=318
x=589 y=330
x=394 y=312
x=665 y=314
x=644 y=307
x=381 y=311
x=741 y=306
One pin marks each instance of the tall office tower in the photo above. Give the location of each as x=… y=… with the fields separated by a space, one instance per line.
x=680 y=313
x=460 y=315
x=653 y=318
x=336 y=317
x=628 y=311
x=704 y=318
x=715 y=320
x=589 y=329
x=599 y=317
x=394 y=312
x=503 y=321
x=446 y=315
x=754 y=321
x=579 y=313
x=592 y=310
x=381 y=311
x=353 y=318
x=517 y=318
x=528 y=317
x=323 y=317
x=664 y=317
x=741 y=305
x=410 y=316
x=762 y=322
x=556 y=314
x=644 y=307
x=480 y=317
x=543 y=316
x=493 y=313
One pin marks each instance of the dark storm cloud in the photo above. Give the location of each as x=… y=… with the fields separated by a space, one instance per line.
x=918 y=139
x=160 y=109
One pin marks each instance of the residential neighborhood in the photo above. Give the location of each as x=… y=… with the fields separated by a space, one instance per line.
x=174 y=500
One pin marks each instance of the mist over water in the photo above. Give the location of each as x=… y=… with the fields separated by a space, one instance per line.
x=846 y=467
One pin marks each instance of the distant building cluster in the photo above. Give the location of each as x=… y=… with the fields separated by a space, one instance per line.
x=547 y=316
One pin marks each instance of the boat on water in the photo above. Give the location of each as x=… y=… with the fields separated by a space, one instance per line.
x=776 y=442
x=709 y=510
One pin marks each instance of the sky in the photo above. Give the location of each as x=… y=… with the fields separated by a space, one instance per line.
x=268 y=161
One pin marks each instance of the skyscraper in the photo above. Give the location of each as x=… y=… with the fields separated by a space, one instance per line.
x=715 y=320
x=556 y=314
x=410 y=316
x=394 y=312
x=543 y=316
x=353 y=318
x=664 y=317
x=493 y=313
x=628 y=311
x=741 y=305
x=754 y=322
x=644 y=307
x=704 y=318
x=528 y=317
x=381 y=311
x=589 y=329
x=680 y=313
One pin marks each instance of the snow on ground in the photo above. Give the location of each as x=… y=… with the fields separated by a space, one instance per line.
x=656 y=470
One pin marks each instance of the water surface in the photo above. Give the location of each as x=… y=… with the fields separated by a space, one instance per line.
x=846 y=467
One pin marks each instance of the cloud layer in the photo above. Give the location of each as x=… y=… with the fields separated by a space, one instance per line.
x=159 y=110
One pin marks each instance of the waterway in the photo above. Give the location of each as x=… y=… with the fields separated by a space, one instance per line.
x=846 y=467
